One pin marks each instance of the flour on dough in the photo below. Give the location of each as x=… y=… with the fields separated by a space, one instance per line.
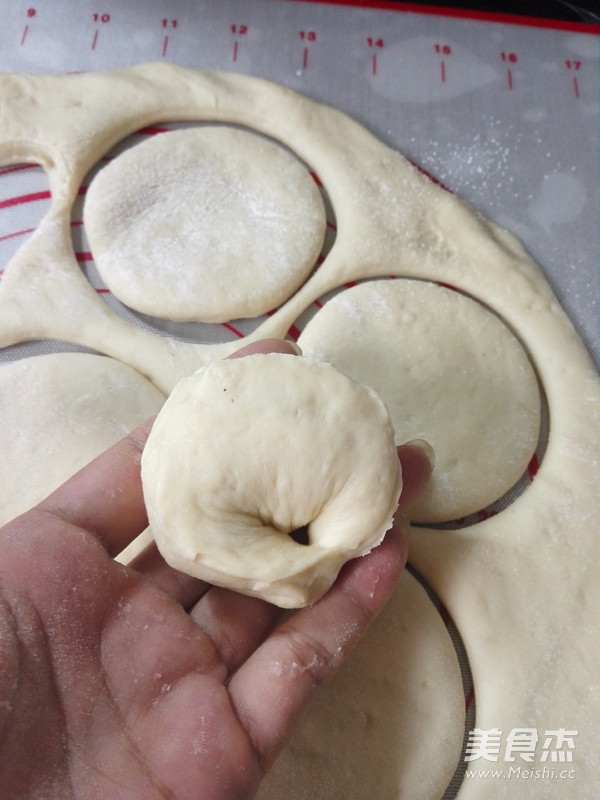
x=57 y=413
x=205 y=224
x=449 y=372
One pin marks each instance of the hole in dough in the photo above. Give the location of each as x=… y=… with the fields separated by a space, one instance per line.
x=78 y=404
x=24 y=199
x=435 y=355
x=300 y=535
x=207 y=223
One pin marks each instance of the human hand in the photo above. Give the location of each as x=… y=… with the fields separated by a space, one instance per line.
x=138 y=682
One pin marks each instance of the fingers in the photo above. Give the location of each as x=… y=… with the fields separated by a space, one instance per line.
x=273 y=685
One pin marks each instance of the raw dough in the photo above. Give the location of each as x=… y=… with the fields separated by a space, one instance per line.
x=353 y=742
x=206 y=224
x=270 y=444
x=434 y=355
x=57 y=413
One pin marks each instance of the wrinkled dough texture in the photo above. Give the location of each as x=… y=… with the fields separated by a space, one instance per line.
x=268 y=444
x=206 y=224
x=449 y=372
x=57 y=413
x=353 y=742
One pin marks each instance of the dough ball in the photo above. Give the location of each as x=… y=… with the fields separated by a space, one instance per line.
x=57 y=413
x=390 y=724
x=449 y=372
x=248 y=450
x=206 y=224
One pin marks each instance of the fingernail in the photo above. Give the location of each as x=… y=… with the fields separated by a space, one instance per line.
x=425 y=447
x=295 y=346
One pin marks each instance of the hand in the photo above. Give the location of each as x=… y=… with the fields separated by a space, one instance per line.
x=137 y=682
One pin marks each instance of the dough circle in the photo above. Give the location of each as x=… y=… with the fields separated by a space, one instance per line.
x=246 y=451
x=435 y=355
x=57 y=413
x=205 y=224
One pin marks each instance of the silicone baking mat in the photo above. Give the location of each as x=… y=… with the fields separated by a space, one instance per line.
x=503 y=111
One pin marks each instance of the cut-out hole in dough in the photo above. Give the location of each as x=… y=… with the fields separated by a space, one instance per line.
x=300 y=535
x=204 y=224
x=24 y=199
x=435 y=355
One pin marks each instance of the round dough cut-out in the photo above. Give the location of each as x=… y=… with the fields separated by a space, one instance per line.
x=206 y=224
x=57 y=413
x=449 y=372
x=247 y=451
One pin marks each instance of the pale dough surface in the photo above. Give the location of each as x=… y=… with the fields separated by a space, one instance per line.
x=522 y=587
x=449 y=372
x=57 y=413
x=270 y=443
x=206 y=224
x=353 y=742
